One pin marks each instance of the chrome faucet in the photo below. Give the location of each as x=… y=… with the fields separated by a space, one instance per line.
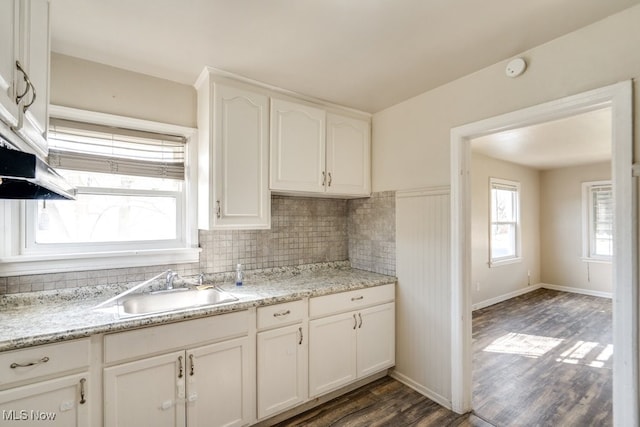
x=170 y=276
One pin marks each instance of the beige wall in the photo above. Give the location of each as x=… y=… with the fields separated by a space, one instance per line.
x=87 y=85
x=411 y=139
x=561 y=225
x=502 y=280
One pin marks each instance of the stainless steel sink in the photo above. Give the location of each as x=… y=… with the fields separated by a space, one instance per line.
x=171 y=300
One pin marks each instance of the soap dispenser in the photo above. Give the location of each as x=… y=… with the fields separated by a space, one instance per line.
x=239 y=275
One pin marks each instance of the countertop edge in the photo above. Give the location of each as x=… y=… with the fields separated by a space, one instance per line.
x=120 y=325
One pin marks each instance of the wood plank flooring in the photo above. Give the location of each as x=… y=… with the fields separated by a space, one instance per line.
x=541 y=359
x=544 y=359
x=384 y=402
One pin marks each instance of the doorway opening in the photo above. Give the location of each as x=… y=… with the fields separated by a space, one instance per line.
x=541 y=238
x=625 y=316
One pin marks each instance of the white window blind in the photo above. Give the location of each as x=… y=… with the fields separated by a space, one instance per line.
x=98 y=148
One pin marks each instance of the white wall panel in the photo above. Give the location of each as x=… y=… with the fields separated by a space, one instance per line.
x=423 y=328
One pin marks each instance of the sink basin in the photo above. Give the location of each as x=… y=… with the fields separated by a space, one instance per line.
x=174 y=299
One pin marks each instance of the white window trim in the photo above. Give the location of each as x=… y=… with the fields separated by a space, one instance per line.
x=586 y=223
x=498 y=262
x=15 y=259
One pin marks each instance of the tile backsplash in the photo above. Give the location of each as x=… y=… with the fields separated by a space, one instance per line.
x=303 y=230
x=372 y=233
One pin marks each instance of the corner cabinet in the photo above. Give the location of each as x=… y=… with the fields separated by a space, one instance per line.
x=314 y=152
x=351 y=336
x=348 y=156
x=233 y=158
x=24 y=70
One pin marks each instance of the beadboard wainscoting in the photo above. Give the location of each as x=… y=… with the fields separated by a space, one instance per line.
x=423 y=295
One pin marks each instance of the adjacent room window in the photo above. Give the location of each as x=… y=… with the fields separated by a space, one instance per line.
x=131 y=191
x=504 y=236
x=597 y=202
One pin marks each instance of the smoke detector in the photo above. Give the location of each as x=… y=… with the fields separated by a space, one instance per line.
x=515 y=67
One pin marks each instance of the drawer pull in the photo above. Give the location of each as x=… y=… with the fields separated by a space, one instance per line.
x=193 y=365
x=282 y=313
x=180 y=369
x=357 y=298
x=37 y=362
x=82 y=399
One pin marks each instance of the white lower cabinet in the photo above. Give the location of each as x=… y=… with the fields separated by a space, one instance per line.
x=46 y=385
x=347 y=346
x=282 y=358
x=146 y=392
x=177 y=379
x=332 y=353
x=60 y=402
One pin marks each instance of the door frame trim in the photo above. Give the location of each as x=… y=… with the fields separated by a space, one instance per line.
x=625 y=265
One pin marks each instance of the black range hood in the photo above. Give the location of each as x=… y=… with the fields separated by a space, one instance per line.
x=25 y=176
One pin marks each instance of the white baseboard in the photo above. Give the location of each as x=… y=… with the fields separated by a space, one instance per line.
x=504 y=297
x=577 y=290
x=439 y=399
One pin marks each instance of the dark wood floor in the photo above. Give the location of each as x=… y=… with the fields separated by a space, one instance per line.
x=544 y=359
x=541 y=359
x=384 y=402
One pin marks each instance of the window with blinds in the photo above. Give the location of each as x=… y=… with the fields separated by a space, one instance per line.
x=130 y=189
x=504 y=220
x=599 y=219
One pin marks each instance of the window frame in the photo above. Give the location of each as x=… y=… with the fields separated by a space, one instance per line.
x=17 y=257
x=588 y=225
x=510 y=259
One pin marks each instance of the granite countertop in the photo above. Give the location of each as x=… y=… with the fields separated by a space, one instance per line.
x=45 y=317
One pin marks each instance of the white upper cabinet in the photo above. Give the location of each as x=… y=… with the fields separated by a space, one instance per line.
x=233 y=158
x=9 y=26
x=318 y=153
x=34 y=51
x=24 y=70
x=348 y=156
x=297 y=147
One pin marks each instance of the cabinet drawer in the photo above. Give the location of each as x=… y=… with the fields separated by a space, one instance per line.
x=281 y=314
x=352 y=300
x=43 y=360
x=156 y=339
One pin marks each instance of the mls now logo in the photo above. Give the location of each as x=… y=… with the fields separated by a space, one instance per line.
x=24 y=415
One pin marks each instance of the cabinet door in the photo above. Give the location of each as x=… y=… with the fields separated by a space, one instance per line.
x=9 y=18
x=376 y=339
x=348 y=156
x=56 y=402
x=34 y=55
x=219 y=382
x=282 y=369
x=297 y=147
x=241 y=159
x=332 y=352
x=148 y=392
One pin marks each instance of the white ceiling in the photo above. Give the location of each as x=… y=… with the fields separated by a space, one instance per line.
x=572 y=141
x=366 y=54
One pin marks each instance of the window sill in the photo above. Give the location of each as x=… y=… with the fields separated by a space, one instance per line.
x=502 y=262
x=596 y=260
x=58 y=263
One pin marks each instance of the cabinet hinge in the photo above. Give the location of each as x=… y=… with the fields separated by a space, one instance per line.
x=635 y=169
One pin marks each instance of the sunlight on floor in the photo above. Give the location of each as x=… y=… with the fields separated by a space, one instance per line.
x=587 y=353
x=580 y=354
x=523 y=344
